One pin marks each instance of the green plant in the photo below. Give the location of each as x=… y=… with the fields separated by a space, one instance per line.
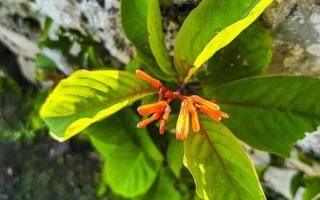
x=19 y=107
x=269 y=113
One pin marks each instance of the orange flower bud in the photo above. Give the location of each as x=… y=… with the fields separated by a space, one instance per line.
x=214 y=114
x=186 y=127
x=223 y=114
x=194 y=116
x=182 y=127
x=152 y=108
x=162 y=126
x=166 y=114
x=147 y=121
x=190 y=106
x=209 y=104
x=146 y=77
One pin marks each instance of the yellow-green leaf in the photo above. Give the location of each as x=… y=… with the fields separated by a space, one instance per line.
x=87 y=97
x=220 y=167
x=156 y=40
x=312 y=189
x=141 y=21
x=210 y=27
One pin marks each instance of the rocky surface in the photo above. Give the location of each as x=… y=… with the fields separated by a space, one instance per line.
x=99 y=19
x=311 y=145
x=294 y=25
x=295 y=29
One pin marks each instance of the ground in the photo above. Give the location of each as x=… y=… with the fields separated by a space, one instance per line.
x=58 y=171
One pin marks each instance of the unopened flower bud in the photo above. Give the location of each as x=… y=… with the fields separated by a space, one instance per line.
x=146 y=77
x=182 y=127
x=201 y=101
x=147 y=121
x=152 y=108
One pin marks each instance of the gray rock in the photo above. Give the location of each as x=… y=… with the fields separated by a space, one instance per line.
x=295 y=28
x=310 y=145
x=100 y=21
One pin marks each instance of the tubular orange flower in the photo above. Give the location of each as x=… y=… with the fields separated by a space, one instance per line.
x=162 y=126
x=194 y=116
x=190 y=106
x=146 y=77
x=201 y=101
x=147 y=121
x=186 y=127
x=214 y=114
x=223 y=114
x=152 y=108
x=182 y=127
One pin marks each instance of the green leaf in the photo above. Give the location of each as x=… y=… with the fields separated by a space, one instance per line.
x=175 y=155
x=171 y=124
x=131 y=160
x=134 y=22
x=295 y=183
x=210 y=27
x=261 y=170
x=270 y=113
x=276 y=161
x=45 y=63
x=220 y=167
x=92 y=59
x=133 y=65
x=163 y=189
x=15 y=107
x=156 y=41
x=140 y=30
x=305 y=159
x=88 y=97
x=247 y=55
x=312 y=189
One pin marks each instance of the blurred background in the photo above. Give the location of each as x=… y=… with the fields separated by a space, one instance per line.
x=43 y=41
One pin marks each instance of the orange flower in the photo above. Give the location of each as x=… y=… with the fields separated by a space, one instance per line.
x=182 y=127
x=214 y=114
x=201 y=101
x=166 y=114
x=147 y=121
x=190 y=106
x=146 y=77
x=194 y=116
x=152 y=108
x=162 y=126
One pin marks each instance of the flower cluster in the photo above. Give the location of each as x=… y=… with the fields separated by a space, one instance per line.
x=190 y=106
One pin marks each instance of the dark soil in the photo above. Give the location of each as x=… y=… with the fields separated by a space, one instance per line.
x=44 y=169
